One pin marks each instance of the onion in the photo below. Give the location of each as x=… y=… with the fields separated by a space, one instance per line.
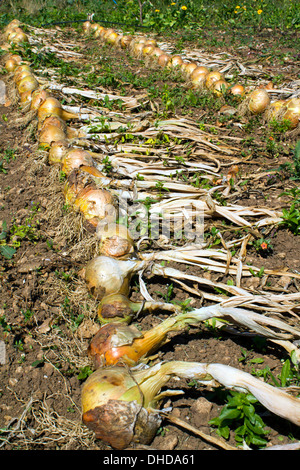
x=274 y=109
x=78 y=179
x=86 y=26
x=11 y=65
x=147 y=49
x=259 y=100
x=112 y=37
x=105 y=275
x=118 y=308
x=57 y=151
x=38 y=97
x=108 y=347
x=121 y=406
x=189 y=68
x=28 y=83
x=219 y=87
x=293 y=112
x=175 y=61
x=95 y=205
x=17 y=37
x=51 y=134
x=163 y=59
x=125 y=41
x=25 y=96
x=75 y=158
x=211 y=78
x=138 y=49
x=115 y=240
x=237 y=90
x=51 y=106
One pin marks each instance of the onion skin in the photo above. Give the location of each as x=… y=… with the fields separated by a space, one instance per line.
x=104 y=276
x=163 y=59
x=175 y=61
x=136 y=345
x=115 y=240
x=117 y=308
x=259 y=100
x=212 y=78
x=95 y=205
x=75 y=158
x=51 y=134
x=118 y=420
x=28 y=83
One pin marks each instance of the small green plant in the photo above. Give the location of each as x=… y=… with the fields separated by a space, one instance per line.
x=84 y=373
x=240 y=415
x=291 y=216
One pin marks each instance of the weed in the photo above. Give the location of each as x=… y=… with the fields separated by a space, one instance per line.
x=240 y=414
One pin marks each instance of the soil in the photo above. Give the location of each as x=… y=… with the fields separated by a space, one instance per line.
x=48 y=317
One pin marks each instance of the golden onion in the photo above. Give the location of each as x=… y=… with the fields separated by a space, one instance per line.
x=189 y=68
x=51 y=134
x=28 y=83
x=125 y=41
x=219 y=87
x=57 y=150
x=95 y=205
x=211 y=78
x=11 y=65
x=259 y=100
x=75 y=158
x=237 y=90
x=105 y=275
x=121 y=405
x=163 y=59
x=117 y=308
x=25 y=96
x=52 y=106
x=38 y=97
x=115 y=240
x=175 y=61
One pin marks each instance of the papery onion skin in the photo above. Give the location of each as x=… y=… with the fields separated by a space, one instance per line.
x=117 y=308
x=95 y=205
x=118 y=420
x=51 y=134
x=57 y=151
x=175 y=61
x=259 y=100
x=115 y=240
x=163 y=59
x=75 y=158
x=211 y=78
x=104 y=275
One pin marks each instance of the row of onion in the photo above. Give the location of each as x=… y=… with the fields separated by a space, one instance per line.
x=119 y=404
x=200 y=77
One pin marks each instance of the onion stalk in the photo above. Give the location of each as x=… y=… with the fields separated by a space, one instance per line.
x=123 y=406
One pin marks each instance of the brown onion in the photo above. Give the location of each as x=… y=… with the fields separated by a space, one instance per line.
x=38 y=97
x=51 y=134
x=75 y=158
x=175 y=61
x=28 y=83
x=219 y=87
x=259 y=100
x=211 y=78
x=163 y=59
x=237 y=90
x=96 y=205
x=125 y=41
x=115 y=240
x=57 y=150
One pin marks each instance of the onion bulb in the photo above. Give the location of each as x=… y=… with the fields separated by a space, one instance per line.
x=237 y=90
x=57 y=151
x=175 y=61
x=118 y=308
x=115 y=240
x=78 y=179
x=292 y=113
x=75 y=158
x=108 y=347
x=189 y=68
x=49 y=134
x=112 y=37
x=125 y=41
x=38 y=97
x=259 y=100
x=28 y=83
x=211 y=78
x=25 y=96
x=11 y=65
x=17 y=37
x=52 y=106
x=219 y=87
x=95 y=205
x=147 y=49
x=105 y=275
x=121 y=406
x=274 y=110
x=163 y=59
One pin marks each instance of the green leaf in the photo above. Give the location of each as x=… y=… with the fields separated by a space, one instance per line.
x=7 y=251
x=285 y=372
